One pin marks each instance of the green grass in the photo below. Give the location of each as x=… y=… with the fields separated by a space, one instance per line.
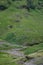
x=9 y=47
x=29 y=28
x=5 y=47
x=33 y=49
x=6 y=59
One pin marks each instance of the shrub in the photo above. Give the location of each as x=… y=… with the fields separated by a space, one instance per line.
x=10 y=37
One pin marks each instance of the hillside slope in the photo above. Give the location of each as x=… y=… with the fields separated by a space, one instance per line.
x=19 y=25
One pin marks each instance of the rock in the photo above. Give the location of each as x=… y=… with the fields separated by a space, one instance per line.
x=10 y=26
x=2 y=7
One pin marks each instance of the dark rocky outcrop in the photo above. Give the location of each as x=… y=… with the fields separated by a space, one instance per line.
x=2 y=7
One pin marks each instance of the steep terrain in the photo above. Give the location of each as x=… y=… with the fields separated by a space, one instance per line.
x=18 y=25
x=21 y=32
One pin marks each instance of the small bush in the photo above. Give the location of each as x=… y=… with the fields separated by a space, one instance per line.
x=10 y=37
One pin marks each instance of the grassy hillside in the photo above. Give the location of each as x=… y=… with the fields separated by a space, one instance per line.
x=18 y=25
x=21 y=32
x=33 y=49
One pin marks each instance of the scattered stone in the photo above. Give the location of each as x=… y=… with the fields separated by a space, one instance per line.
x=28 y=58
x=10 y=26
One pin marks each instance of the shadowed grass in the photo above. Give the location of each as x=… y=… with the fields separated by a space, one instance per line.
x=33 y=49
